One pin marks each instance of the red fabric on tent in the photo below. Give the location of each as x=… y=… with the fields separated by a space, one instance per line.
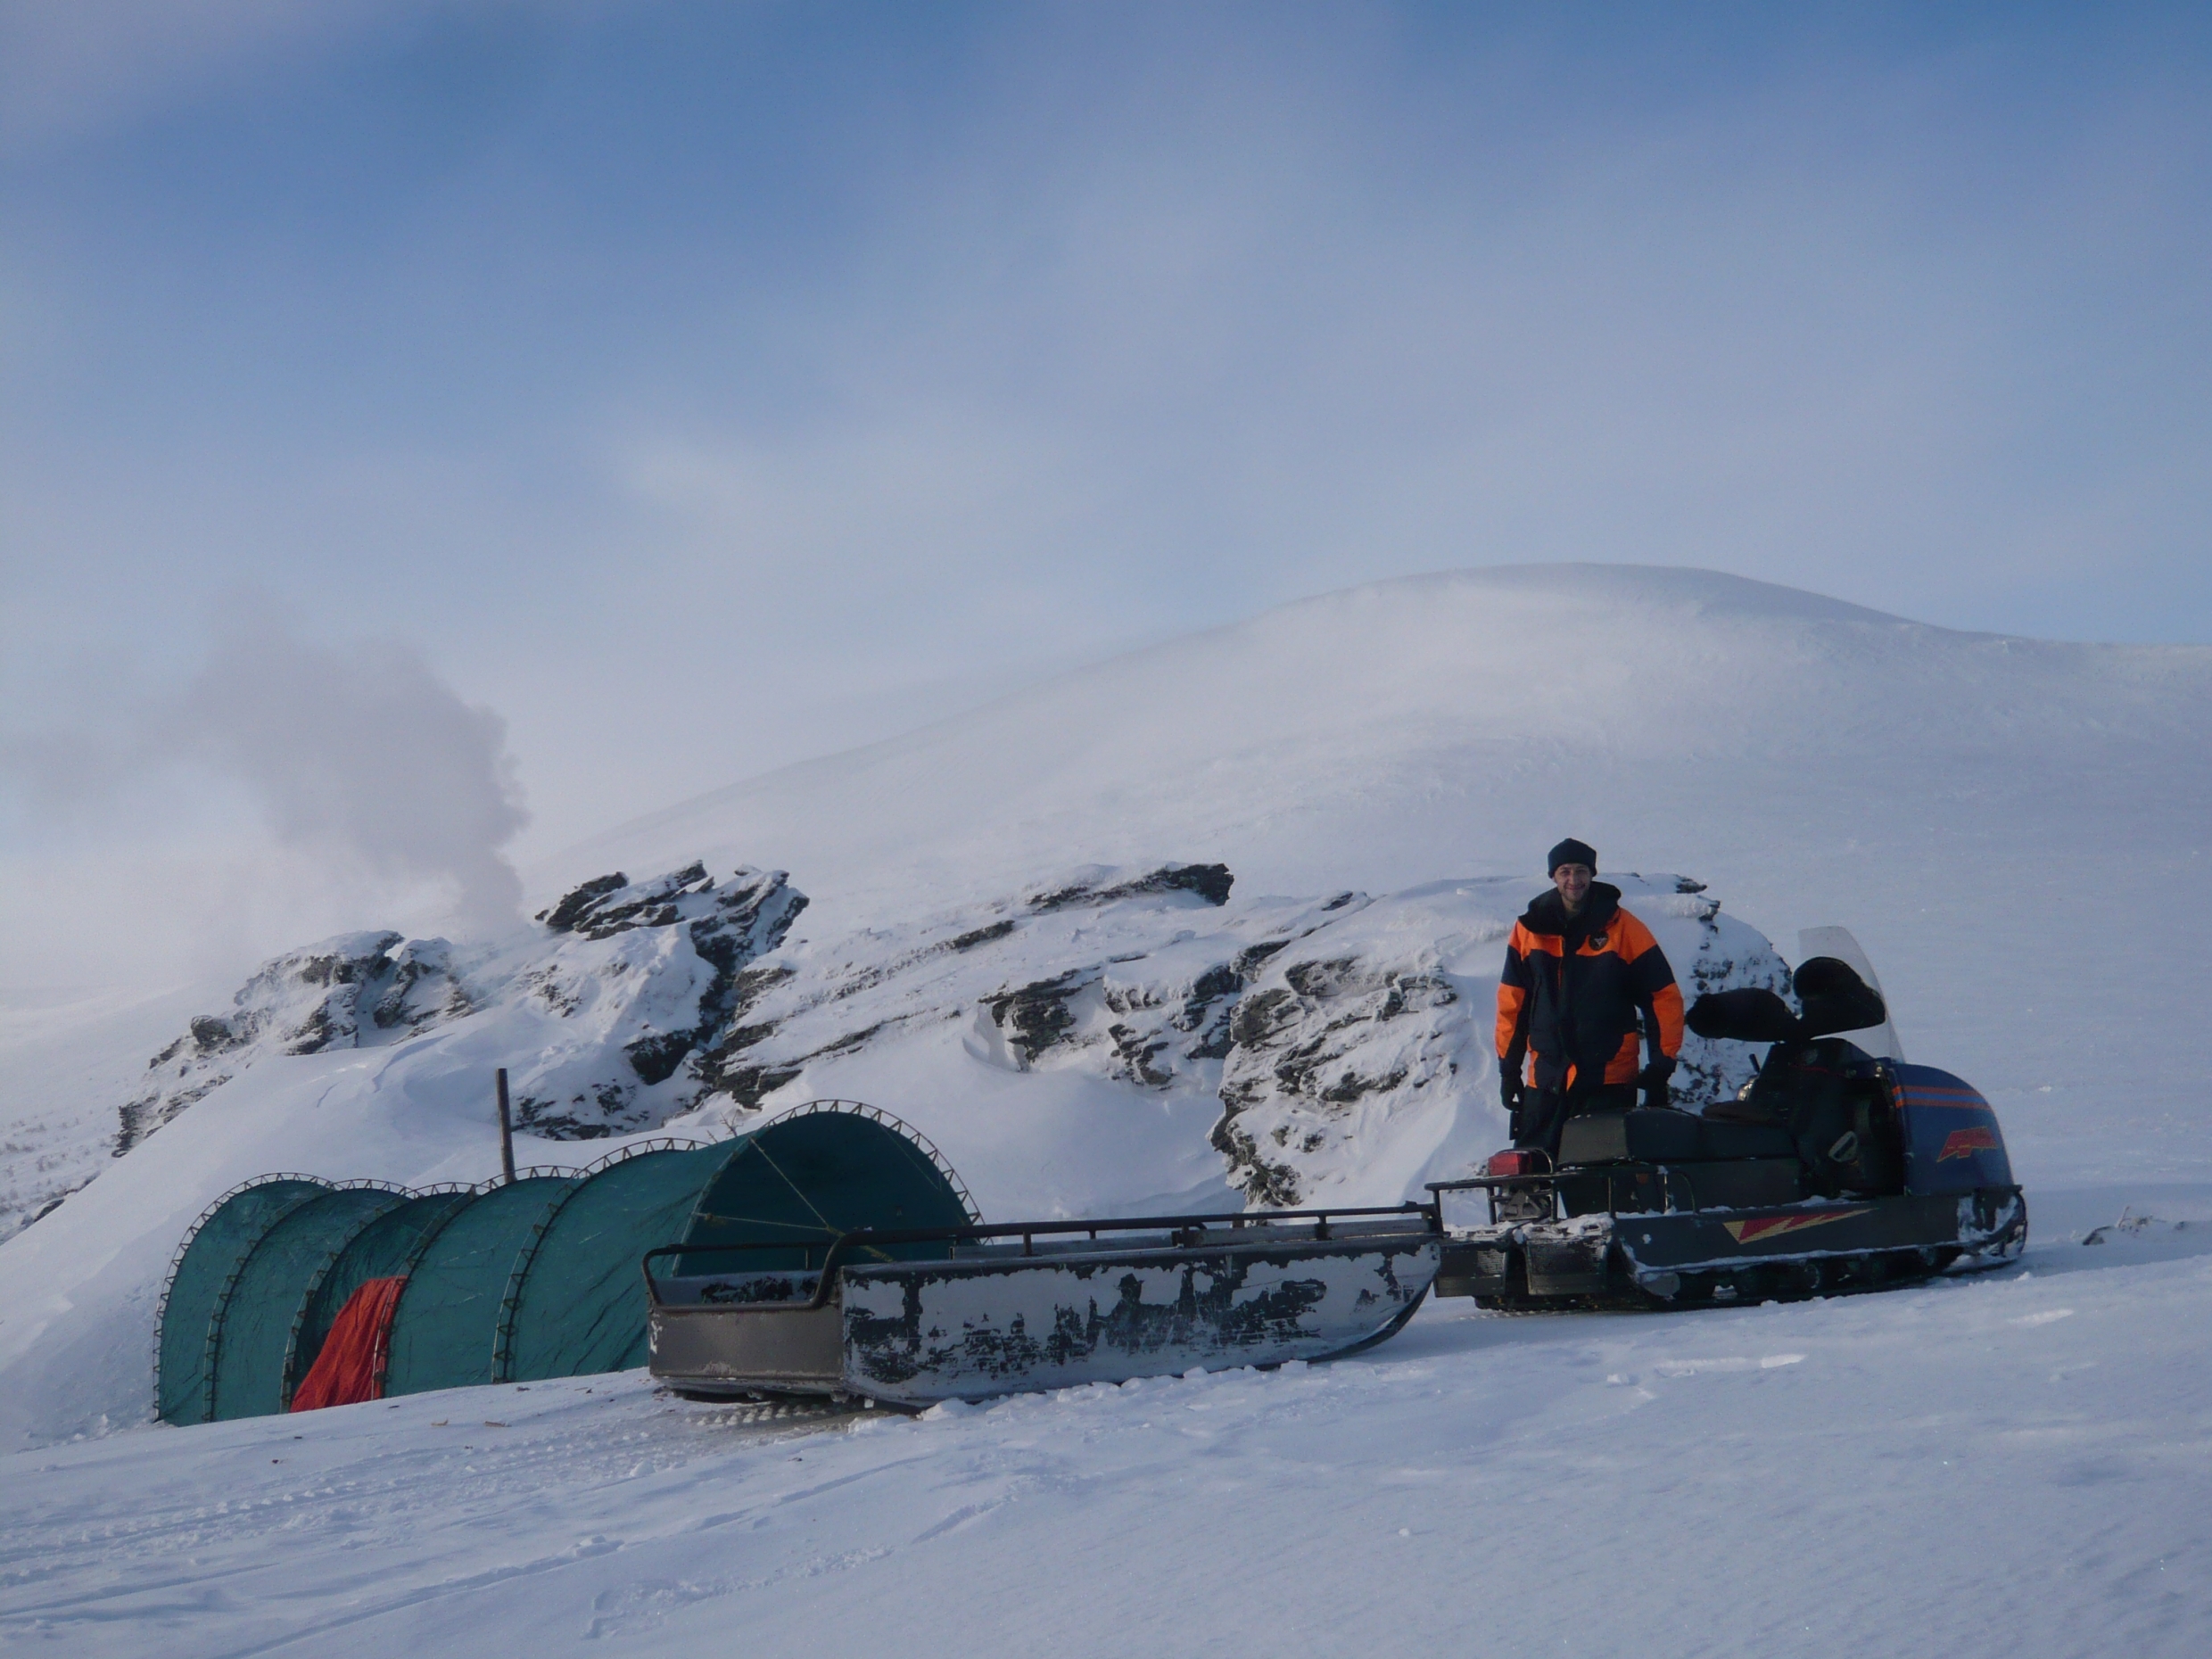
x=351 y=1366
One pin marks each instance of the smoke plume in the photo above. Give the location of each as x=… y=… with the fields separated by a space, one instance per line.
x=359 y=749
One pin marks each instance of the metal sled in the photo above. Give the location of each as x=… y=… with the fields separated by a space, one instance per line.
x=1037 y=1305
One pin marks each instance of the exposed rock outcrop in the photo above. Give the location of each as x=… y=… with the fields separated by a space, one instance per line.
x=353 y=991
x=1339 y=1045
x=637 y=978
x=646 y=977
x=1330 y=1031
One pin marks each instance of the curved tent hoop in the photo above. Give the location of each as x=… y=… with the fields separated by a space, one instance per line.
x=805 y=1177
x=467 y=1196
x=456 y=1278
x=899 y=1127
x=659 y=1143
x=313 y=1185
x=415 y=1222
x=176 y=1256
x=218 y=1319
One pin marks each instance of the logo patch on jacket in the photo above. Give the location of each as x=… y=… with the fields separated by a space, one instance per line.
x=1598 y=941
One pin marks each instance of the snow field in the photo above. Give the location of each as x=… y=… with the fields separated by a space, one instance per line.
x=2014 y=1465
x=2004 y=1465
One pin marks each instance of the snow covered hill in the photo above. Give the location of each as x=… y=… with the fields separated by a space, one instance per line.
x=1227 y=910
x=2007 y=824
x=2003 y=823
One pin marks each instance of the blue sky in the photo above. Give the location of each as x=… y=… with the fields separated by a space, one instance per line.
x=703 y=386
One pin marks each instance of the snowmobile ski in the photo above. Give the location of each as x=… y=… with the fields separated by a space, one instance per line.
x=994 y=1309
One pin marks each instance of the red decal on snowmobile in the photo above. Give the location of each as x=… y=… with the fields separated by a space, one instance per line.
x=1768 y=1227
x=1966 y=1142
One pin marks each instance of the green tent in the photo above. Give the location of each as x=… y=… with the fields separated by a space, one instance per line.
x=578 y=1306
x=248 y=1345
x=381 y=1246
x=512 y=1281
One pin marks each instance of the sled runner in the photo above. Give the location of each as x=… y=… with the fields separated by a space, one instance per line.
x=1835 y=1170
x=978 y=1310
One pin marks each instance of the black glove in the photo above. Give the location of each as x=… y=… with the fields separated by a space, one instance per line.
x=1509 y=1091
x=1653 y=1081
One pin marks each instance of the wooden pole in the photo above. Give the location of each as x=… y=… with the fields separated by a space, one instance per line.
x=506 y=1131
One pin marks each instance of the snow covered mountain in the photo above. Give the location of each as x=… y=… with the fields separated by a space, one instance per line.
x=1984 y=812
x=980 y=949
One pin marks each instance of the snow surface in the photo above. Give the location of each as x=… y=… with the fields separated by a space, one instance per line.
x=2015 y=1464
x=2015 y=830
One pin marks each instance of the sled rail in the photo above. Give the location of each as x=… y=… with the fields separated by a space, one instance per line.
x=1183 y=1232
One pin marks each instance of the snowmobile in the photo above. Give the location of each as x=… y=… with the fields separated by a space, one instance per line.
x=1833 y=1171
x=907 y=1317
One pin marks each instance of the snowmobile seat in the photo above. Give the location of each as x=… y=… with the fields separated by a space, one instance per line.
x=1645 y=1135
x=1722 y=1137
x=1735 y=1184
x=1829 y=1096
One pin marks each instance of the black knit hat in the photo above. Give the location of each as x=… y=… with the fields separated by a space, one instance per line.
x=1572 y=852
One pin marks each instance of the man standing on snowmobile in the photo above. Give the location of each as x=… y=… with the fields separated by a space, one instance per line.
x=1581 y=974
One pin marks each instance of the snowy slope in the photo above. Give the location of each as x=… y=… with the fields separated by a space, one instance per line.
x=1999 y=820
x=68 y=1058
x=2016 y=829
x=2014 y=1466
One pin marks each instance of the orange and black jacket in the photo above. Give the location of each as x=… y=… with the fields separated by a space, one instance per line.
x=1574 y=987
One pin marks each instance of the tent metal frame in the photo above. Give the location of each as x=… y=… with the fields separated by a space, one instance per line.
x=176 y=1262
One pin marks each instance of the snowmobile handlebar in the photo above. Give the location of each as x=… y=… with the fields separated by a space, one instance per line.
x=1184 y=1232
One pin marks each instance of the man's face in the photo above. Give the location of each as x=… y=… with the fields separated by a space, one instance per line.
x=1572 y=880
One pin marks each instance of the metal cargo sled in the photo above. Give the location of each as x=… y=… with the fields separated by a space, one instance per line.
x=911 y=1317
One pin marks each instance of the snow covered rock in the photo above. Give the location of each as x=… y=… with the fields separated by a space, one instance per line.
x=636 y=975
x=1345 y=1041
x=1339 y=1047
x=353 y=991
x=642 y=978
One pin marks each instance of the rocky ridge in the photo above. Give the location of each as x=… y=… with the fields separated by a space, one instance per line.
x=1342 y=1038
x=1342 y=1042
x=628 y=978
